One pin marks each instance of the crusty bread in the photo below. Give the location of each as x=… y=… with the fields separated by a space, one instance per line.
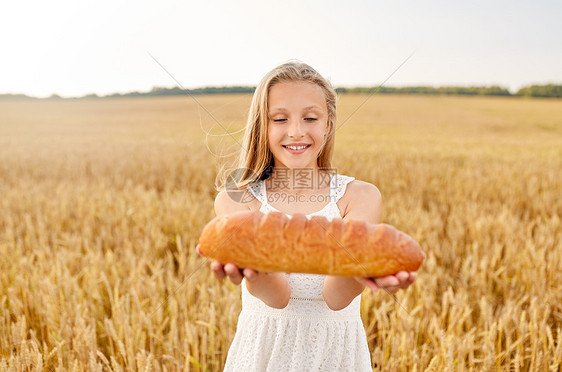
x=275 y=242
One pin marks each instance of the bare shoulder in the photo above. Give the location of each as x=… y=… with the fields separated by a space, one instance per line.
x=362 y=201
x=227 y=202
x=359 y=192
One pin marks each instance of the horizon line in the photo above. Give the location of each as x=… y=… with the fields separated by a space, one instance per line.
x=155 y=89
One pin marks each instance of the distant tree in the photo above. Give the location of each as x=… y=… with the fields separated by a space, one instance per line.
x=15 y=96
x=473 y=90
x=91 y=95
x=548 y=90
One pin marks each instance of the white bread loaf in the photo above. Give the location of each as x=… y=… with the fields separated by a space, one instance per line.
x=275 y=242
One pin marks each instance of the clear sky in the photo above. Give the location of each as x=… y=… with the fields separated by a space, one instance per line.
x=77 y=47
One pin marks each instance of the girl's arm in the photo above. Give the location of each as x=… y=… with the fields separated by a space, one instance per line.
x=364 y=204
x=339 y=291
x=272 y=288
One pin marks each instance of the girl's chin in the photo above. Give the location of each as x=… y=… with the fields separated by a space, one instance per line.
x=296 y=164
x=304 y=160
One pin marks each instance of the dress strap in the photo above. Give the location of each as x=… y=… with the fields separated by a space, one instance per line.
x=338 y=185
x=257 y=189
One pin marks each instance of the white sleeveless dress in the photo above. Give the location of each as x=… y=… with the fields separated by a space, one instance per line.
x=306 y=335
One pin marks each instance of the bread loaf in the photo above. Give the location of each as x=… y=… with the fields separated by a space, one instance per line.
x=275 y=242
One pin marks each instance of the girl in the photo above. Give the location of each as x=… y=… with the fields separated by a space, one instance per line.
x=290 y=321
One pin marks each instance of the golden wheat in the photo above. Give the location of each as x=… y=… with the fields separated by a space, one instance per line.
x=102 y=202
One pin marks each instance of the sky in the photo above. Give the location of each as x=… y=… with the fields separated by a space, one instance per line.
x=79 y=47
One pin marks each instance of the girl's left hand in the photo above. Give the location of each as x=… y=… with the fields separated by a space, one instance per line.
x=392 y=283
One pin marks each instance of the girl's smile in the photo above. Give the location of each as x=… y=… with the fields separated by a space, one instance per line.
x=296 y=148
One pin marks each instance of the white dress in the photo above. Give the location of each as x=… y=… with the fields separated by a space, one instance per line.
x=306 y=335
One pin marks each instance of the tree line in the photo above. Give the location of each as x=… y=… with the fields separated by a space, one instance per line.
x=548 y=90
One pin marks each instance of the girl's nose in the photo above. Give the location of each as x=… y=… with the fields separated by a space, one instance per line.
x=296 y=129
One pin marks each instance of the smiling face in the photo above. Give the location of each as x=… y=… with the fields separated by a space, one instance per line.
x=298 y=122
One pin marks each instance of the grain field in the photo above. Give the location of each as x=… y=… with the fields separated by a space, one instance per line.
x=102 y=202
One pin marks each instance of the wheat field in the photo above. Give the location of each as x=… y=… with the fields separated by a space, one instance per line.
x=102 y=202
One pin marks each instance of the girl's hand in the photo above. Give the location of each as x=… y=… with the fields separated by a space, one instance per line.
x=392 y=283
x=231 y=270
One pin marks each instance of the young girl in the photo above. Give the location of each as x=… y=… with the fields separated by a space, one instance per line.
x=292 y=321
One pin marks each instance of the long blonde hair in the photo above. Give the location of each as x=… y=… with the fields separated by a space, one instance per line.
x=255 y=161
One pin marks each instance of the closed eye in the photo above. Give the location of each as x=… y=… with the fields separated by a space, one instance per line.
x=282 y=120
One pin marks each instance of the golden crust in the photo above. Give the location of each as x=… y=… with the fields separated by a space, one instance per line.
x=275 y=242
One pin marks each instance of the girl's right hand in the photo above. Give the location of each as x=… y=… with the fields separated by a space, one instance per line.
x=234 y=273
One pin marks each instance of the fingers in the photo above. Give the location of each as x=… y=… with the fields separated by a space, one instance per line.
x=392 y=283
x=403 y=279
x=233 y=272
x=412 y=278
x=251 y=275
x=218 y=269
x=236 y=275
x=388 y=281
x=368 y=282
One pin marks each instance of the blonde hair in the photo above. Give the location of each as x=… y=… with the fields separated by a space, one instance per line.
x=255 y=161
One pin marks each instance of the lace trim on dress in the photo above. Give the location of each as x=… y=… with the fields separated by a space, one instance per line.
x=256 y=190
x=341 y=182
x=316 y=317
